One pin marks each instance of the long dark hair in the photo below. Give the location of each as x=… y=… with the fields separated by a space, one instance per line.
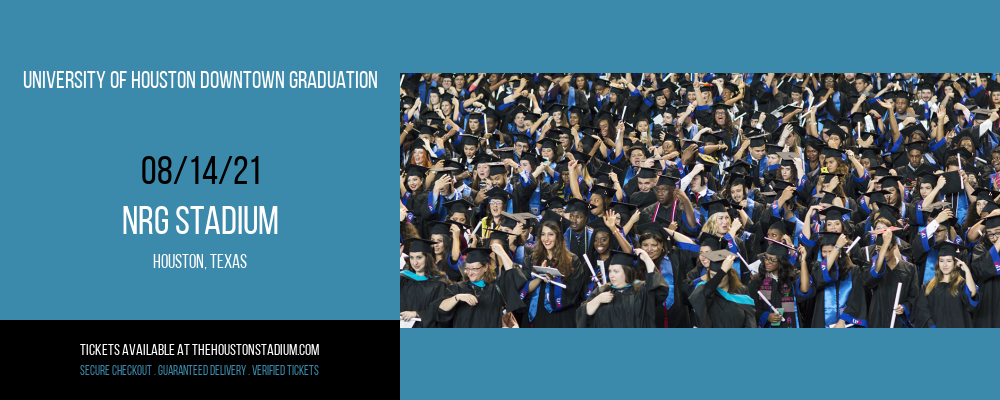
x=786 y=272
x=561 y=257
x=430 y=267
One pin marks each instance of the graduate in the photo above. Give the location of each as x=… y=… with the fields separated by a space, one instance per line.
x=421 y=286
x=447 y=247
x=719 y=299
x=985 y=257
x=550 y=305
x=481 y=297
x=952 y=294
x=625 y=302
x=673 y=253
x=785 y=283
x=840 y=297
x=888 y=270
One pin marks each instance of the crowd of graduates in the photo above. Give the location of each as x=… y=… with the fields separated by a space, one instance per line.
x=674 y=200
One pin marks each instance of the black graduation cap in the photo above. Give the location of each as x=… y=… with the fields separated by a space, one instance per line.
x=992 y=222
x=551 y=108
x=757 y=141
x=711 y=137
x=716 y=258
x=715 y=206
x=601 y=82
x=732 y=87
x=740 y=179
x=508 y=221
x=825 y=197
x=416 y=170
x=925 y=86
x=779 y=186
x=498 y=193
x=624 y=259
x=768 y=197
x=553 y=202
x=916 y=145
x=653 y=228
x=477 y=254
x=667 y=180
x=946 y=248
x=417 y=245
x=713 y=242
x=774 y=149
x=835 y=212
x=504 y=237
x=460 y=205
x=828 y=238
x=953 y=183
x=796 y=89
x=604 y=115
x=602 y=190
x=962 y=152
x=832 y=152
x=470 y=140
x=739 y=165
x=530 y=157
x=900 y=94
x=484 y=158
x=863 y=77
x=890 y=180
x=784 y=226
x=521 y=138
x=578 y=205
x=966 y=134
x=578 y=155
x=885 y=208
x=443 y=228
x=497 y=168
x=836 y=131
x=625 y=210
x=547 y=143
x=928 y=177
x=990 y=206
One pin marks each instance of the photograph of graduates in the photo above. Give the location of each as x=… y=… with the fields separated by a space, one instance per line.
x=707 y=200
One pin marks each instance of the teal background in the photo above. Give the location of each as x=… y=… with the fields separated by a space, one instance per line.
x=70 y=159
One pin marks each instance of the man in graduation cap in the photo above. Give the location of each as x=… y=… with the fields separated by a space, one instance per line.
x=579 y=235
x=674 y=206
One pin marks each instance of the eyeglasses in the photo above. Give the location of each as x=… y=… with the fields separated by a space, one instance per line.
x=993 y=234
x=770 y=259
x=468 y=268
x=496 y=202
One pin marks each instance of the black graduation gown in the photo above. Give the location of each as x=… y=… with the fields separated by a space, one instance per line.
x=950 y=311
x=491 y=300
x=572 y=296
x=521 y=195
x=883 y=287
x=632 y=307
x=679 y=314
x=647 y=213
x=776 y=295
x=711 y=310
x=424 y=297
x=454 y=275
x=985 y=270
x=855 y=308
x=422 y=212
